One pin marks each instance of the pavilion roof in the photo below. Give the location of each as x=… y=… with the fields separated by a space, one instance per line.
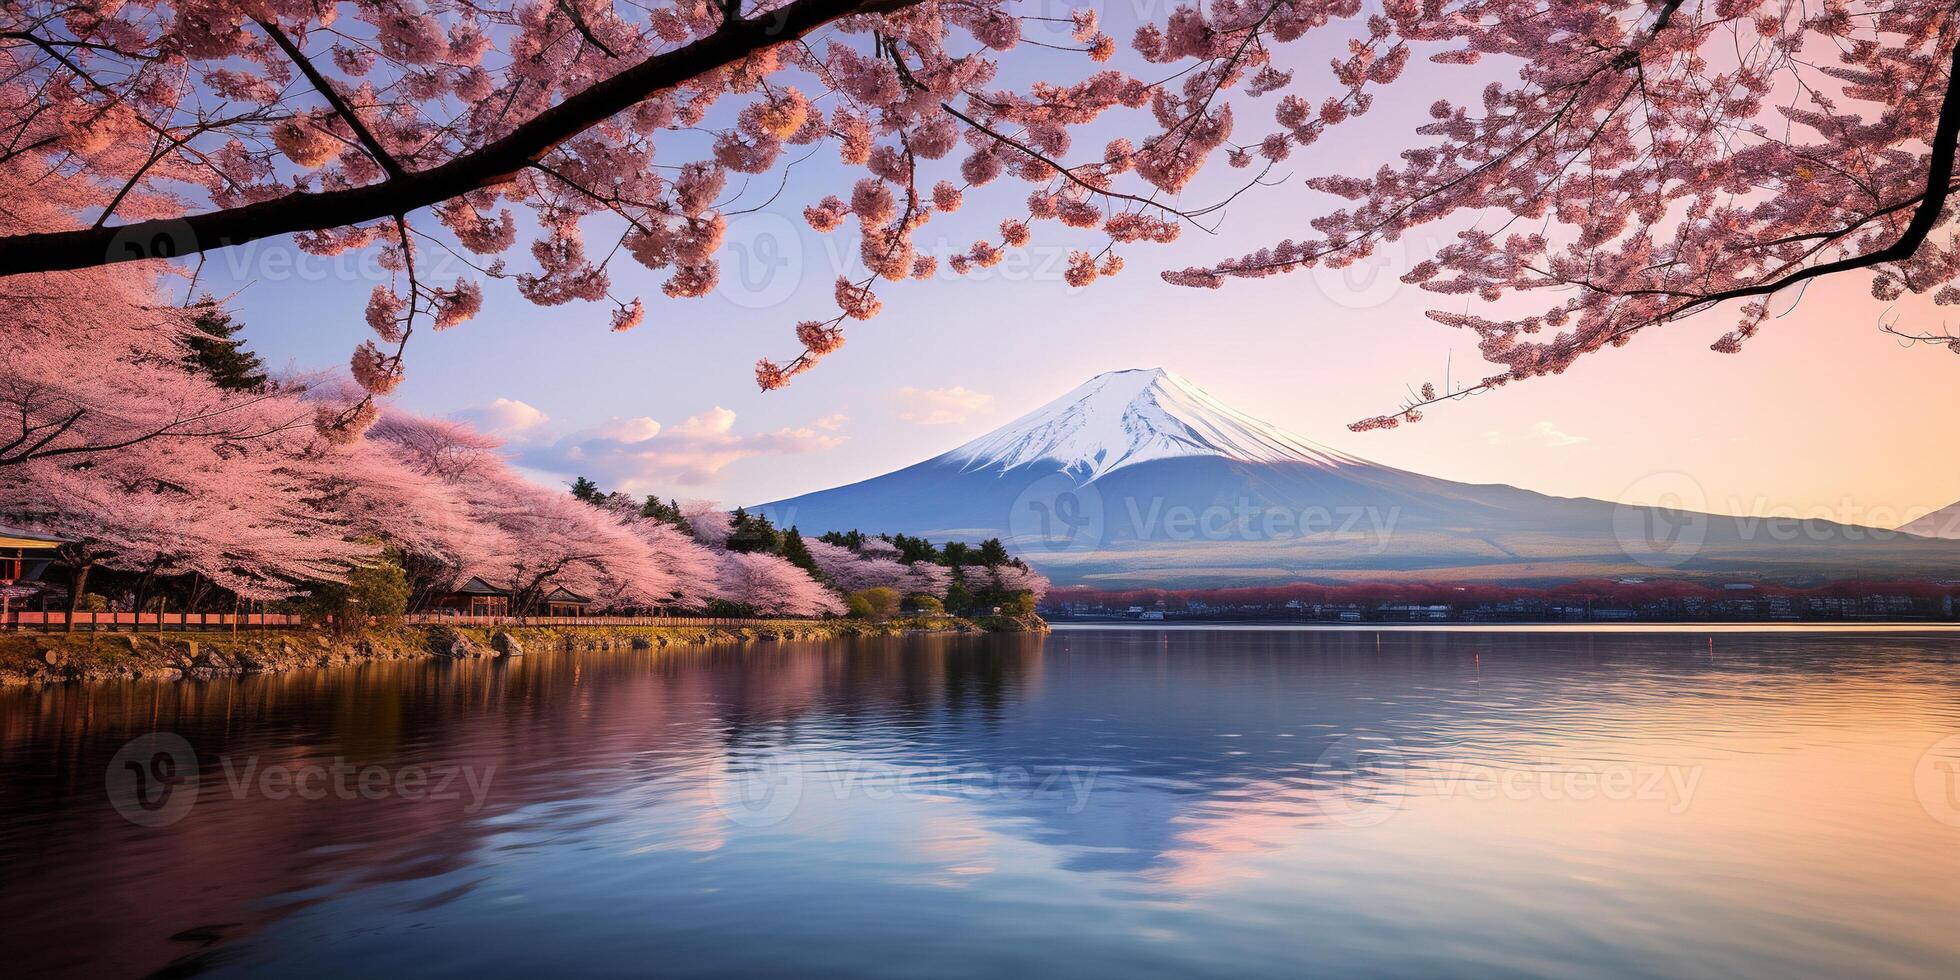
x=19 y=537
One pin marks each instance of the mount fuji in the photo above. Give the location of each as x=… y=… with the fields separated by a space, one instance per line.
x=1141 y=478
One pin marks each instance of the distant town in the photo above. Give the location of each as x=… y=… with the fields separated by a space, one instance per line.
x=1727 y=602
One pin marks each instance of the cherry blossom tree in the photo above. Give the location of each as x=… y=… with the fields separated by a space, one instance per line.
x=693 y=566
x=1642 y=160
x=250 y=522
x=94 y=362
x=1013 y=577
x=772 y=586
x=852 y=571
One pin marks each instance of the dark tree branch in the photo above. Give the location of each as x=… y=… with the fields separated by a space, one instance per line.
x=487 y=166
x=578 y=21
x=327 y=91
x=1925 y=217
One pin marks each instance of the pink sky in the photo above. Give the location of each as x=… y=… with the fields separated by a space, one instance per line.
x=1821 y=415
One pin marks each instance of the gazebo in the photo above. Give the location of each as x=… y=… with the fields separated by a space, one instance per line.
x=24 y=555
x=476 y=598
x=565 y=602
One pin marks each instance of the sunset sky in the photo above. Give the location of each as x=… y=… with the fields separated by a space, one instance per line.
x=1821 y=414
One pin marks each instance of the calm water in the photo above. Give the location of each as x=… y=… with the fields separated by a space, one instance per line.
x=1094 y=803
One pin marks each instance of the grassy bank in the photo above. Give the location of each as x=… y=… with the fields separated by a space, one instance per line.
x=37 y=658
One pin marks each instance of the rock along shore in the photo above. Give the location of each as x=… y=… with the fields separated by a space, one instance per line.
x=28 y=658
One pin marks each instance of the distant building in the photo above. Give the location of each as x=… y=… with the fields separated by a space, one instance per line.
x=565 y=602
x=1414 y=611
x=475 y=598
x=25 y=554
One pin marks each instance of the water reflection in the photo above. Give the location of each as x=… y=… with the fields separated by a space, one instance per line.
x=1250 y=802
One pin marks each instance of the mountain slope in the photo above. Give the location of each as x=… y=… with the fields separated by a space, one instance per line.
x=1942 y=523
x=1123 y=418
x=1141 y=478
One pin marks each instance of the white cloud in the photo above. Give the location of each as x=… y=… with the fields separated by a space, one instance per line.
x=941 y=406
x=505 y=417
x=641 y=455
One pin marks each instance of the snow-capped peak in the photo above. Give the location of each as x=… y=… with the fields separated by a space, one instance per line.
x=1124 y=417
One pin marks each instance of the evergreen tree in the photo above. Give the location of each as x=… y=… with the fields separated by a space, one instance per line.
x=992 y=553
x=587 y=491
x=218 y=353
x=958 y=599
x=956 y=553
x=797 y=553
x=912 y=549
x=852 y=539
x=665 y=513
x=753 y=532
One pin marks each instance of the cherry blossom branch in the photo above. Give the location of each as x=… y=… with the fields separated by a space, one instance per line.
x=16 y=451
x=1066 y=172
x=578 y=21
x=1945 y=143
x=327 y=91
x=488 y=166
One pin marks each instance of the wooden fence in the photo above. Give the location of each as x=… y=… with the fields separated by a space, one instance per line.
x=212 y=622
x=150 y=622
x=439 y=619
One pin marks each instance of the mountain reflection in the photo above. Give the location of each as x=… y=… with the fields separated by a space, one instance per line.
x=1165 y=767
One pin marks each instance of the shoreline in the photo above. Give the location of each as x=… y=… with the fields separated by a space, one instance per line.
x=40 y=659
x=1768 y=626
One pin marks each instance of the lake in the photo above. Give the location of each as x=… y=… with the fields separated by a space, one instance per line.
x=1103 y=802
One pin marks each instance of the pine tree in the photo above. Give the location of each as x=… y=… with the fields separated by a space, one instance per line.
x=956 y=553
x=753 y=533
x=218 y=353
x=796 y=552
x=992 y=553
x=587 y=491
x=665 y=513
x=958 y=598
x=852 y=539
